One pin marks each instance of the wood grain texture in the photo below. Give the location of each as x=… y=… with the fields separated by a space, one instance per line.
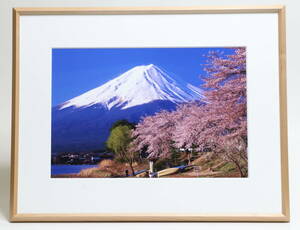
x=15 y=117
x=60 y=217
x=283 y=114
x=138 y=217
x=149 y=10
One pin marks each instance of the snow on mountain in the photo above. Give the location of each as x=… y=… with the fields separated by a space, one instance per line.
x=140 y=85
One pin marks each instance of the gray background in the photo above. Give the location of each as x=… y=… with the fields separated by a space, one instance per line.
x=293 y=50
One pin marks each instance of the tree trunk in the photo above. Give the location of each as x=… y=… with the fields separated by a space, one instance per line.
x=132 y=169
x=239 y=168
x=128 y=160
x=189 y=158
x=233 y=160
x=244 y=157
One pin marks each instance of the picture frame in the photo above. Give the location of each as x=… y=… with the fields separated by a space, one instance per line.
x=18 y=206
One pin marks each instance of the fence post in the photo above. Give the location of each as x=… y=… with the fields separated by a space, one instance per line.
x=151 y=170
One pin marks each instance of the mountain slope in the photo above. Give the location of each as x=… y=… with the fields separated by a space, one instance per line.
x=82 y=123
x=139 y=85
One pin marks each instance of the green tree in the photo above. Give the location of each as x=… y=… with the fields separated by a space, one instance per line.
x=122 y=122
x=119 y=142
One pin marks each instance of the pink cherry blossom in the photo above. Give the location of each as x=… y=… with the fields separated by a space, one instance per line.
x=219 y=124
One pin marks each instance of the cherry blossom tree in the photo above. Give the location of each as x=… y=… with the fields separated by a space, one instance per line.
x=220 y=124
x=155 y=132
x=226 y=95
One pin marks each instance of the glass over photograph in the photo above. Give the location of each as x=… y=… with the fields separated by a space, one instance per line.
x=149 y=113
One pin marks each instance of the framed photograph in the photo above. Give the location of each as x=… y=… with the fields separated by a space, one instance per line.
x=149 y=114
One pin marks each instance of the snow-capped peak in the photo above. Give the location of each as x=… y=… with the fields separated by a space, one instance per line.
x=139 y=85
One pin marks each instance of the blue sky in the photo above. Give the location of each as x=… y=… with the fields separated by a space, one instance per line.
x=75 y=71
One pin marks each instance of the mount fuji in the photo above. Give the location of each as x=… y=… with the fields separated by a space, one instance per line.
x=83 y=122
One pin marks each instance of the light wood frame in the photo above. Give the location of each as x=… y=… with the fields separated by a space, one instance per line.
x=283 y=217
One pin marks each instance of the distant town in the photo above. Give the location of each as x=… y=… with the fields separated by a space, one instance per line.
x=80 y=158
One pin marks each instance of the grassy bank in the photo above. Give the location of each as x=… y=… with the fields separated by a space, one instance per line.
x=202 y=166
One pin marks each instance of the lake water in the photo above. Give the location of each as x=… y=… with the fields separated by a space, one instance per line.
x=68 y=169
